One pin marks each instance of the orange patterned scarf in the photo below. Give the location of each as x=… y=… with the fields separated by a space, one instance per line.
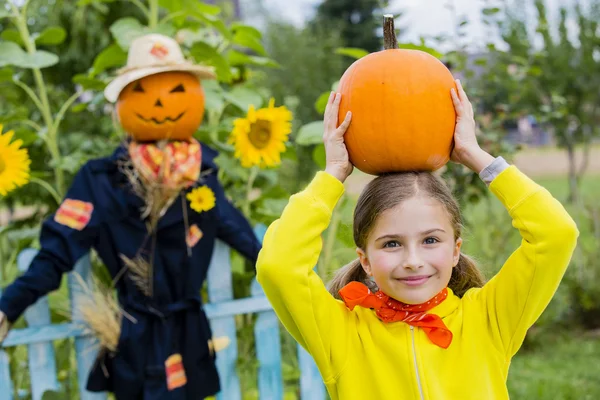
x=391 y=310
x=175 y=164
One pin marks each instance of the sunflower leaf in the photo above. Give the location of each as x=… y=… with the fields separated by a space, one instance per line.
x=11 y=35
x=207 y=54
x=111 y=56
x=125 y=30
x=51 y=36
x=12 y=54
x=319 y=156
x=246 y=39
x=6 y=74
x=239 y=58
x=89 y=83
x=310 y=134
x=321 y=102
x=243 y=98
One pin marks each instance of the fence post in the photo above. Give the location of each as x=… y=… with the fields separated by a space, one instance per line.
x=42 y=364
x=268 y=351
x=311 y=383
x=5 y=381
x=220 y=288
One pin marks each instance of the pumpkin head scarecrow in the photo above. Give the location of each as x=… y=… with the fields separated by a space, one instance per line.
x=152 y=211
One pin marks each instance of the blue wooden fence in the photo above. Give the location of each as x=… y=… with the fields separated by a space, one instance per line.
x=221 y=311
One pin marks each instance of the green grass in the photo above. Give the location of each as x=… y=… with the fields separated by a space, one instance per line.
x=564 y=367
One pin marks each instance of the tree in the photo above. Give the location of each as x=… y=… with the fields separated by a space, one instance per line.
x=357 y=21
x=558 y=79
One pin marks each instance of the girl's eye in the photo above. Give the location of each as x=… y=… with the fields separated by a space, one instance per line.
x=430 y=240
x=391 y=244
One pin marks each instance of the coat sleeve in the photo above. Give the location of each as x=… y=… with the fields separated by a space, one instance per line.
x=515 y=298
x=65 y=237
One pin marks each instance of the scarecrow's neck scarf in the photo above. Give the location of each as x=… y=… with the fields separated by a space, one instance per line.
x=173 y=164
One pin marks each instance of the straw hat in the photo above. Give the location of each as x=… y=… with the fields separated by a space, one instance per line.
x=149 y=55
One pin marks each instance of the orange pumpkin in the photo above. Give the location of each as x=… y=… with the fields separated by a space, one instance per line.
x=402 y=113
x=168 y=105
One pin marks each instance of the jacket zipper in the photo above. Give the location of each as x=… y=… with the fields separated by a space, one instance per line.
x=412 y=334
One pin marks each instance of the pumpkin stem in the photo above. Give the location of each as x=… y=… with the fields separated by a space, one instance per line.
x=389 y=33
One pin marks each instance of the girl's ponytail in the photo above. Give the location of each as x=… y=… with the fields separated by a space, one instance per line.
x=465 y=276
x=349 y=273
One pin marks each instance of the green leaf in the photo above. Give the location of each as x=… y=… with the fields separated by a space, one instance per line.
x=244 y=39
x=79 y=107
x=88 y=82
x=125 y=30
x=189 y=6
x=12 y=54
x=243 y=98
x=209 y=9
x=5 y=13
x=213 y=94
x=351 y=52
x=40 y=59
x=26 y=135
x=11 y=35
x=237 y=58
x=52 y=36
x=6 y=74
x=319 y=156
x=206 y=54
x=112 y=56
x=216 y=23
x=221 y=27
x=311 y=133
x=164 y=29
x=490 y=11
x=273 y=207
x=420 y=47
x=246 y=29
x=321 y=102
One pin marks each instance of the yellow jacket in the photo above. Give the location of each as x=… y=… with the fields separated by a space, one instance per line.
x=360 y=357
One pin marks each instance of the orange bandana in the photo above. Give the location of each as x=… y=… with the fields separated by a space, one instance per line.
x=174 y=165
x=391 y=310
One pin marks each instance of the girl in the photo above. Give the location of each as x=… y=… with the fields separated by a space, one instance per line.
x=428 y=328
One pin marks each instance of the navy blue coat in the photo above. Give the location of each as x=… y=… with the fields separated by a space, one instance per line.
x=170 y=322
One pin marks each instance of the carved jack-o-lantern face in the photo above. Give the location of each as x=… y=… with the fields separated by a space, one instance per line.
x=168 y=105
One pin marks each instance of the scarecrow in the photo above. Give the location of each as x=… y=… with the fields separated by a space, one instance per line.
x=152 y=211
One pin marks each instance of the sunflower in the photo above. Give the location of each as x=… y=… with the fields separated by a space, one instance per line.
x=259 y=139
x=14 y=163
x=201 y=199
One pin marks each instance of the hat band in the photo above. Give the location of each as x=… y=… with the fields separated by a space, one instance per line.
x=156 y=65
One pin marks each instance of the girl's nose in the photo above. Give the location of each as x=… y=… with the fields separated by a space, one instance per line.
x=412 y=260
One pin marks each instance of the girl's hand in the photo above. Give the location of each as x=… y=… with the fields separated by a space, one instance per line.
x=337 y=159
x=466 y=149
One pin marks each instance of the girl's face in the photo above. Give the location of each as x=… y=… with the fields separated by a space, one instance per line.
x=411 y=250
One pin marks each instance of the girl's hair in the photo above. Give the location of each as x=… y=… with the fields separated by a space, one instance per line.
x=387 y=191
